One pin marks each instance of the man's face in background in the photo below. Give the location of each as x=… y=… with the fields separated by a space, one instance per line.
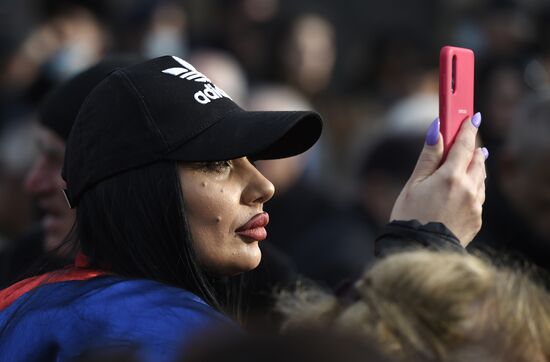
x=45 y=184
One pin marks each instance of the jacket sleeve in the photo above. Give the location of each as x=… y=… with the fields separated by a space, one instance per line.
x=406 y=235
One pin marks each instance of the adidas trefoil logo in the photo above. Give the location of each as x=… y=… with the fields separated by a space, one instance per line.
x=188 y=72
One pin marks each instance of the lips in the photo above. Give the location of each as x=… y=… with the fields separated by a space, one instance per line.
x=255 y=227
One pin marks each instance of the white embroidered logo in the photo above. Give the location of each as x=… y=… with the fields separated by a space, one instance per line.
x=188 y=72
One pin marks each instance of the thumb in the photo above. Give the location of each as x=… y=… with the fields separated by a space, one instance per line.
x=431 y=155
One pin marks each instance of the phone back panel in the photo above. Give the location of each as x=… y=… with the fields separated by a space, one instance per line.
x=456 y=91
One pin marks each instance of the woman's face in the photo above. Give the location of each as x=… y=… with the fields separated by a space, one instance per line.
x=224 y=208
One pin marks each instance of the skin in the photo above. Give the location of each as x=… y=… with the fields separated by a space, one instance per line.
x=219 y=198
x=451 y=193
x=45 y=184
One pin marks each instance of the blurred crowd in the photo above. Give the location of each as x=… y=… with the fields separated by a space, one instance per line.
x=369 y=67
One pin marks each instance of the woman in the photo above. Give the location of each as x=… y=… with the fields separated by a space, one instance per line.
x=168 y=202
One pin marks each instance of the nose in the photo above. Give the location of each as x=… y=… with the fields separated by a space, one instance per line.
x=39 y=179
x=258 y=190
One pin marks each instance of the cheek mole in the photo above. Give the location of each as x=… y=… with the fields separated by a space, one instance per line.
x=203 y=184
x=218 y=219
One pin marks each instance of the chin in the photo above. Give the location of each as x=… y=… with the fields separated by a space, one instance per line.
x=52 y=241
x=254 y=258
x=249 y=263
x=254 y=264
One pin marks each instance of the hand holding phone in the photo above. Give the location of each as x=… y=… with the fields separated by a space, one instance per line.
x=436 y=192
x=456 y=91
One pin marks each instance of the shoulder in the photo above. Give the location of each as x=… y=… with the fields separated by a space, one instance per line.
x=106 y=312
x=131 y=300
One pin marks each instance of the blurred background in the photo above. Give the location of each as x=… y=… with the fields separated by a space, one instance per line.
x=369 y=67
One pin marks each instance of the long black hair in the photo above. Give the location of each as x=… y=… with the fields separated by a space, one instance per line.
x=134 y=225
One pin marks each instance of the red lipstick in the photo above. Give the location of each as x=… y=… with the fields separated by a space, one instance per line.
x=255 y=227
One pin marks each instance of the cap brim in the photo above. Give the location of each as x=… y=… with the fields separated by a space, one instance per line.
x=258 y=135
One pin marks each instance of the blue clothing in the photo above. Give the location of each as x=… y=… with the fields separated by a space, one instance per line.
x=62 y=320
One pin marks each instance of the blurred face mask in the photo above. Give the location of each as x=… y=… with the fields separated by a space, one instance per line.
x=69 y=60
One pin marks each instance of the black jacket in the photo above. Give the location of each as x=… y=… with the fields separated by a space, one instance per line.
x=410 y=235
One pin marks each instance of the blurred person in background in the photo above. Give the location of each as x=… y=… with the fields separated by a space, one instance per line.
x=537 y=67
x=434 y=306
x=400 y=95
x=308 y=54
x=247 y=28
x=67 y=41
x=43 y=180
x=517 y=213
x=386 y=155
x=298 y=49
x=382 y=175
x=16 y=156
x=508 y=29
x=403 y=66
x=499 y=90
x=72 y=40
x=43 y=43
x=167 y=32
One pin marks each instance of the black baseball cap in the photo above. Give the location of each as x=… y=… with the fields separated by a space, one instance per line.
x=165 y=109
x=60 y=107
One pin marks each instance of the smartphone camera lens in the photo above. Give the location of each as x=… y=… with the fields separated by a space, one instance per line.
x=453 y=75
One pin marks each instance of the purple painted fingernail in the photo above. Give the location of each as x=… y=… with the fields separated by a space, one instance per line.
x=485 y=152
x=433 y=133
x=476 y=120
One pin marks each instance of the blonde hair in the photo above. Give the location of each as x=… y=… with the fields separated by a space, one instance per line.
x=436 y=306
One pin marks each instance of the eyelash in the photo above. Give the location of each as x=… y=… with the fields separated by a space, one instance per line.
x=216 y=166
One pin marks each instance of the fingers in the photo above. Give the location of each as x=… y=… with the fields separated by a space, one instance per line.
x=481 y=194
x=431 y=154
x=460 y=154
x=477 y=175
x=476 y=169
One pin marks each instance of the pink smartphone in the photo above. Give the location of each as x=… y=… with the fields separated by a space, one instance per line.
x=456 y=91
